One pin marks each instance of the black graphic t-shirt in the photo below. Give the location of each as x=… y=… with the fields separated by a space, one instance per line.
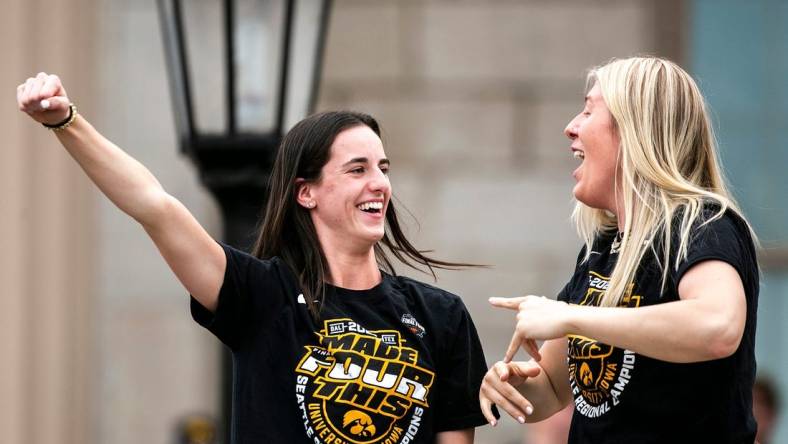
x=624 y=397
x=395 y=364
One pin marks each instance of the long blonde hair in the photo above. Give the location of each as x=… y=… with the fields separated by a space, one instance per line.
x=667 y=163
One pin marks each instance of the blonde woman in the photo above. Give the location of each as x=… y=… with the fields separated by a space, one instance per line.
x=652 y=339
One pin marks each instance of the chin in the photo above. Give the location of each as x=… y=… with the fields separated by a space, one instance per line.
x=371 y=235
x=592 y=203
x=585 y=199
x=578 y=194
x=377 y=236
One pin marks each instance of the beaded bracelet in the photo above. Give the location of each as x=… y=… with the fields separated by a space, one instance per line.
x=72 y=115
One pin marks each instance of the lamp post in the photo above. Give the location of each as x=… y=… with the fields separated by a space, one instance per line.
x=241 y=73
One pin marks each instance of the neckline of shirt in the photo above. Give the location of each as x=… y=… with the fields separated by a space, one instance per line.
x=377 y=292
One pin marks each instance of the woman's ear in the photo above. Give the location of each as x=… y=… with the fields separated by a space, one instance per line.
x=304 y=194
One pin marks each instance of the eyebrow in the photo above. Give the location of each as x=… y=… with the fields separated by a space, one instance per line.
x=383 y=161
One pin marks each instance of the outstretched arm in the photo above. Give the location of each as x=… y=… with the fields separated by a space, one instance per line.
x=706 y=323
x=195 y=258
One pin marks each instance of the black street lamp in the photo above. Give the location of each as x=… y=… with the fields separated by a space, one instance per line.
x=241 y=73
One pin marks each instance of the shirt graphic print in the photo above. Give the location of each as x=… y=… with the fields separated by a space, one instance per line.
x=398 y=363
x=626 y=397
x=360 y=386
x=599 y=373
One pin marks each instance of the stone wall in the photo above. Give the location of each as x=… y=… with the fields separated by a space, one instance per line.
x=47 y=250
x=472 y=95
x=473 y=98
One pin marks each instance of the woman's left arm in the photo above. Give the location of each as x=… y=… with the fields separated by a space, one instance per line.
x=455 y=437
x=706 y=323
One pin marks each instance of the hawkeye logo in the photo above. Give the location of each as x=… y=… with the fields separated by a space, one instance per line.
x=358 y=423
x=362 y=387
x=599 y=373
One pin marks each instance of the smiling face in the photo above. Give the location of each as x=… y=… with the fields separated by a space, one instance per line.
x=348 y=202
x=595 y=142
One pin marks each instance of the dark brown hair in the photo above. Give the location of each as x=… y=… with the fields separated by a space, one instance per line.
x=287 y=230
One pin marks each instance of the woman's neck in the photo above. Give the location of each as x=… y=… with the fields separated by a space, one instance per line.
x=354 y=270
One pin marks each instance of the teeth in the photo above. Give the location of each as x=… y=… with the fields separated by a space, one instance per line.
x=370 y=205
x=578 y=155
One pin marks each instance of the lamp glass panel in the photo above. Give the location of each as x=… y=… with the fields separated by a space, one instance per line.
x=304 y=47
x=204 y=38
x=258 y=58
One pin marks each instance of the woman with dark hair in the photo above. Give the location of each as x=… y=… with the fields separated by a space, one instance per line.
x=327 y=348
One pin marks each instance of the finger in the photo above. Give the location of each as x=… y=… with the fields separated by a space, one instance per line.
x=511 y=394
x=51 y=87
x=502 y=402
x=20 y=91
x=532 y=349
x=529 y=345
x=54 y=103
x=486 y=406
x=502 y=370
x=525 y=369
x=510 y=303
x=514 y=344
x=26 y=94
x=35 y=91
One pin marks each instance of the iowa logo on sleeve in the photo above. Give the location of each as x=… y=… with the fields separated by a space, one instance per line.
x=360 y=386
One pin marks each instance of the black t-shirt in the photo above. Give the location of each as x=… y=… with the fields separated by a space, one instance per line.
x=624 y=397
x=397 y=363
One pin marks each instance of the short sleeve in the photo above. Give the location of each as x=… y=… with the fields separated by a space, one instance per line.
x=460 y=377
x=725 y=239
x=250 y=292
x=563 y=295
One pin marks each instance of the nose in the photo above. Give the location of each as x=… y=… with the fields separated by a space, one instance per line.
x=379 y=182
x=571 y=128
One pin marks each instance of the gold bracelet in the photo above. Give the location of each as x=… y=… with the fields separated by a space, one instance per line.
x=72 y=115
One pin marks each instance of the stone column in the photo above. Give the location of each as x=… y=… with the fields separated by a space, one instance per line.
x=46 y=256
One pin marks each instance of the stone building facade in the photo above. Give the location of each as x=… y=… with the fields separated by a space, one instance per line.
x=472 y=95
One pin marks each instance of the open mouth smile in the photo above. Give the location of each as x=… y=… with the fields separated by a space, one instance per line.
x=371 y=207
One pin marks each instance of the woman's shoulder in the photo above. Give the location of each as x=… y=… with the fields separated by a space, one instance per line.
x=242 y=263
x=721 y=233
x=245 y=256
x=711 y=217
x=439 y=310
x=728 y=222
x=431 y=294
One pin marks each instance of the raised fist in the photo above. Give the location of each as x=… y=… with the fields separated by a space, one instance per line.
x=43 y=98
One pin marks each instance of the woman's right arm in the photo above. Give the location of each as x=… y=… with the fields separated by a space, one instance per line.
x=529 y=391
x=195 y=258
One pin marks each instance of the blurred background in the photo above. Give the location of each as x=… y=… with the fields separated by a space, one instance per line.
x=96 y=341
